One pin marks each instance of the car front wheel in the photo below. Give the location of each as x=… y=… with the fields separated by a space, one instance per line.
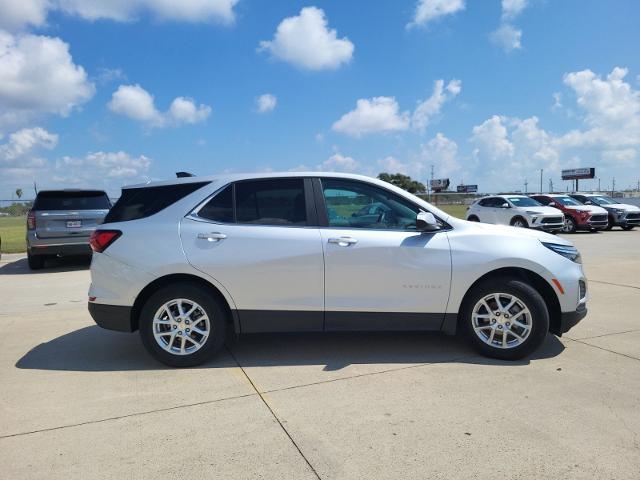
x=628 y=227
x=183 y=325
x=519 y=222
x=506 y=319
x=569 y=225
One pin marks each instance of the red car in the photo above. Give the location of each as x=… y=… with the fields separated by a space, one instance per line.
x=577 y=216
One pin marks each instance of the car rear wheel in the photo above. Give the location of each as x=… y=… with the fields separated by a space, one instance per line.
x=183 y=325
x=519 y=222
x=36 y=262
x=473 y=218
x=505 y=318
x=569 y=225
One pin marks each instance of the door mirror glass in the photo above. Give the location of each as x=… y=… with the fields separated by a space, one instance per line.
x=588 y=202
x=426 y=222
x=553 y=204
x=505 y=205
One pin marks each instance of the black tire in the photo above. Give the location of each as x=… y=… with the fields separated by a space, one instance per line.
x=36 y=262
x=569 y=225
x=213 y=308
x=610 y=224
x=628 y=227
x=531 y=299
x=473 y=218
x=522 y=221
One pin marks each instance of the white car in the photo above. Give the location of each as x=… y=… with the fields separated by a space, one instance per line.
x=517 y=211
x=185 y=261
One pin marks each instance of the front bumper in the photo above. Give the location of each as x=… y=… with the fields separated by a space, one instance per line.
x=624 y=221
x=568 y=320
x=112 y=317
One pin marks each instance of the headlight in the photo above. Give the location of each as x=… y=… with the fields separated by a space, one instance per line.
x=566 y=251
x=619 y=212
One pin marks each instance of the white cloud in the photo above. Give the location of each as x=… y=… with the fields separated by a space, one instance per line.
x=380 y=114
x=512 y=8
x=491 y=139
x=16 y=15
x=508 y=37
x=101 y=165
x=266 y=103
x=306 y=42
x=340 y=163
x=442 y=153
x=430 y=107
x=135 y=102
x=430 y=10
x=21 y=148
x=38 y=77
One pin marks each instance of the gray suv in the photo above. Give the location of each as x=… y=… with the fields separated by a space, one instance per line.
x=61 y=222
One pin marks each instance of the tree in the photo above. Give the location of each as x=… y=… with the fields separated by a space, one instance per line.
x=403 y=181
x=19 y=193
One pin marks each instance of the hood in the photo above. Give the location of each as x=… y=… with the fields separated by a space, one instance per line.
x=624 y=206
x=542 y=210
x=589 y=208
x=507 y=231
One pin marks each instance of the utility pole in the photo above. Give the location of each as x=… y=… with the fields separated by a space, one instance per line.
x=430 y=182
x=613 y=185
x=599 y=185
x=525 y=185
x=541 y=170
x=550 y=185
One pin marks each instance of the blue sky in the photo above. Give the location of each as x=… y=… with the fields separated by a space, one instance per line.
x=103 y=94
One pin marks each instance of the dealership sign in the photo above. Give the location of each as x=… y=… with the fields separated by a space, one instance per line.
x=467 y=188
x=578 y=173
x=439 y=184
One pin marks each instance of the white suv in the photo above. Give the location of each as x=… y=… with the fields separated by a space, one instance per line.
x=517 y=211
x=187 y=260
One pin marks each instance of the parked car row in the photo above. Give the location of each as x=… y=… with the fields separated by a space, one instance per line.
x=555 y=212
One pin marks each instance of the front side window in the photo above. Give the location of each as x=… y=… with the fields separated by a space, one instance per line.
x=359 y=205
x=271 y=202
x=567 y=201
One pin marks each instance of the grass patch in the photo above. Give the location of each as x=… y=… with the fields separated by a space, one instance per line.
x=12 y=233
x=459 y=211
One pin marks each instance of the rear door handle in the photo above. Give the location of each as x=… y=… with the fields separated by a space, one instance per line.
x=212 y=237
x=343 y=241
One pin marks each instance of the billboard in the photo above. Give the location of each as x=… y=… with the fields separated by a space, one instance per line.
x=578 y=173
x=439 y=184
x=467 y=188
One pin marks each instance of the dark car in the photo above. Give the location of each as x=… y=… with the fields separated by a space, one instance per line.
x=61 y=223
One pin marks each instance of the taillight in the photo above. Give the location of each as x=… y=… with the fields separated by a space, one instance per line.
x=101 y=239
x=31 y=220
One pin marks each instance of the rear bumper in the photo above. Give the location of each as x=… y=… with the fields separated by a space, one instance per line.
x=61 y=249
x=568 y=320
x=111 y=317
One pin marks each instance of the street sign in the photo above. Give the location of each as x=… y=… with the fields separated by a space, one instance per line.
x=578 y=173
x=467 y=188
x=439 y=184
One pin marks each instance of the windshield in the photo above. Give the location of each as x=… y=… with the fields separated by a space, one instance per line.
x=567 y=201
x=603 y=200
x=524 y=202
x=72 y=200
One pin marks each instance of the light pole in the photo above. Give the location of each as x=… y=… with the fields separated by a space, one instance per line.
x=541 y=181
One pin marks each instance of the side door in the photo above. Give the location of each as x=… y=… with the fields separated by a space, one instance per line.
x=503 y=215
x=259 y=239
x=380 y=273
x=486 y=210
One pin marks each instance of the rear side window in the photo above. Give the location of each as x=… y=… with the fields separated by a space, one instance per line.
x=271 y=202
x=136 y=203
x=220 y=207
x=81 y=200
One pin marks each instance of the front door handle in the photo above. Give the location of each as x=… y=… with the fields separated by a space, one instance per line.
x=212 y=237
x=343 y=241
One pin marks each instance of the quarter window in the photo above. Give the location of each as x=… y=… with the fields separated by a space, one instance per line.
x=358 y=205
x=220 y=207
x=271 y=202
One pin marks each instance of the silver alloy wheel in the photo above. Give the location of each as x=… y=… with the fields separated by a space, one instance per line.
x=181 y=326
x=569 y=225
x=519 y=223
x=501 y=320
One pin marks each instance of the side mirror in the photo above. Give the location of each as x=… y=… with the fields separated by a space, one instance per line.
x=588 y=202
x=505 y=205
x=426 y=222
x=553 y=204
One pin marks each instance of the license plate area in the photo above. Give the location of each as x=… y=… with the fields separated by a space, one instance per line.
x=74 y=223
